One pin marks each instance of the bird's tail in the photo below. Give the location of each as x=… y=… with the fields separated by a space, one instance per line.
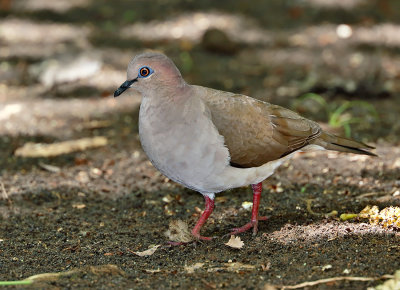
x=336 y=143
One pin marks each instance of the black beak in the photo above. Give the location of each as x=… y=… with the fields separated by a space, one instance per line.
x=126 y=85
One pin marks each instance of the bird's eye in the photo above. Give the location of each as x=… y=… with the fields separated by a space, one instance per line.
x=145 y=71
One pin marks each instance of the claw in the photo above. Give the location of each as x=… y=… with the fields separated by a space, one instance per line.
x=248 y=226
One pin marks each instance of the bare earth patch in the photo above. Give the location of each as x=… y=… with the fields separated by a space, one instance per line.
x=79 y=220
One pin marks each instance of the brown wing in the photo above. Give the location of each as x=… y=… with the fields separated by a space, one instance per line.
x=256 y=132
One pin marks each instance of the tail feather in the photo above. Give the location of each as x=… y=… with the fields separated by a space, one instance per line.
x=336 y=143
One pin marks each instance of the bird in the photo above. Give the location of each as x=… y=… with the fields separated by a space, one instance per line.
x=211 y=141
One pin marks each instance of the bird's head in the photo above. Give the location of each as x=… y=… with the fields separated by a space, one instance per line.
x=150 y=73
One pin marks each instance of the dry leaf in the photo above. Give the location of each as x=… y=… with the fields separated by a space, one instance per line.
x=237 y=266
x=266 y=267
x=387 y=217
x=50 y=168
x=396 y=164
x=4 y=194
x=79 y=205
x=326 y=267
x=392 y=284
x=270 y=287
x=235 y=242
x=168 y=198
x=47 y=150
x=178 y=231
x=148 y=252
x=232 y=267
x=151 y=271
x=95 y=124
x=247 y=205
x=190 y=269
x=221 y=199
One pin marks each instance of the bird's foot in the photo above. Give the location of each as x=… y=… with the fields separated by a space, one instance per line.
x=198 y=237
x=252 y=224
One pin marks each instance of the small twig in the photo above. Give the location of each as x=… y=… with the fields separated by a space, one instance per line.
x=369 y=194
x=4 y=194
x=309 y=209
x=50 y=168
x=334 y=279
x=130 y=251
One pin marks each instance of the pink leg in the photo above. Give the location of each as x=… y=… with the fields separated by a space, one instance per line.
x=207 y=211
x=257 y=189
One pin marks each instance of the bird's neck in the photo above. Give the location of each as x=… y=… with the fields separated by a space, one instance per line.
x=170 y=93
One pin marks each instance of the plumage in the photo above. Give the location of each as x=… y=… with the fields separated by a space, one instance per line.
x=211 y=140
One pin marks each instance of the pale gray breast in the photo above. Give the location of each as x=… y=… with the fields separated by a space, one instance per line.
x=181 y=141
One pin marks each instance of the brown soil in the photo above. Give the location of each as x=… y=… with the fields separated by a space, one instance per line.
x=99 y=206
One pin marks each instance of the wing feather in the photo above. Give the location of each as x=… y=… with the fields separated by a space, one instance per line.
x=257 y=132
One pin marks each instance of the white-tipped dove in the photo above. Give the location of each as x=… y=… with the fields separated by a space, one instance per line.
x=210 y=140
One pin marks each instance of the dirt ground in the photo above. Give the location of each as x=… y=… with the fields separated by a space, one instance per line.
x=84 y=214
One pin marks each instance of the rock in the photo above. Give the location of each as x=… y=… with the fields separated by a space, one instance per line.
x=216 y=40
x=65 y=69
